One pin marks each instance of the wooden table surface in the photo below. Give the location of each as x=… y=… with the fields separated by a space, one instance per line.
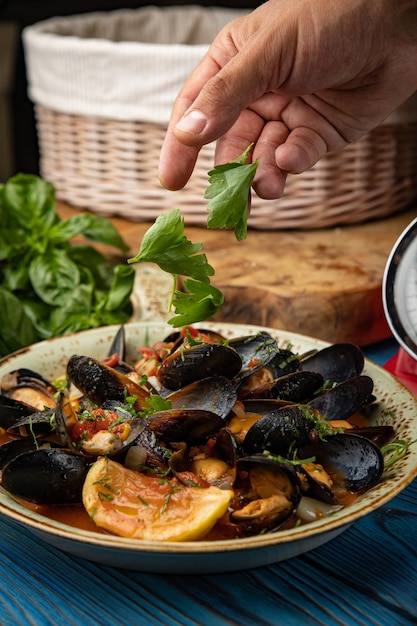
x=322 y=283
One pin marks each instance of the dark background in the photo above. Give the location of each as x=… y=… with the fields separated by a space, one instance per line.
x=26 y=12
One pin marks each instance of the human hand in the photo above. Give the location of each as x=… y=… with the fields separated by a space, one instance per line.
x=298 y=79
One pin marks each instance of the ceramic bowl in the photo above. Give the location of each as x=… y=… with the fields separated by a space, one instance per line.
x=395 y=404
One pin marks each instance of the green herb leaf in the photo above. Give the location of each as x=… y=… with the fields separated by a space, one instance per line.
x=165 y=244
x=54 y=277
x=155 y=403
x=49 y=286
x=200 y=302
x=19 y=330
x=228 y=194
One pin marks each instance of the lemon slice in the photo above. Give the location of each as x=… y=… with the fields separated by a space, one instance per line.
x=135 y=505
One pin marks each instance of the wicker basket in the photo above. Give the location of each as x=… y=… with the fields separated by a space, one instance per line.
x=110 y=165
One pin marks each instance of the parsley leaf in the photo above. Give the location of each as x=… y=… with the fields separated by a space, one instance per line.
x=155 y=403
x=165 y=244
x=201 y=302
x=228 y=194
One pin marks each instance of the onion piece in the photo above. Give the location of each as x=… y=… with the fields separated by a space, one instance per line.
x=310 y=509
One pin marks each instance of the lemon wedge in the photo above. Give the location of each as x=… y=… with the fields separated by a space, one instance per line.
x=136 y=505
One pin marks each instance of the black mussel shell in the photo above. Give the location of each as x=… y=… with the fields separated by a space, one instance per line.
x=147 y=452
x=12 y=410
x=345 y=399
x=380 y=434
x=267 y=477
x=336 y=363
x=12 y=449
x=256 y=351
x=295 y=387
x=184 y=424
x=24 y=377
x=118 y=345
x=279 y=431
x=216 y=394
x=99 y=382
x=46 y=476
x=352 y=461
x=64 y=415
x=283 y=363
x=203 y=360
x=39 y=423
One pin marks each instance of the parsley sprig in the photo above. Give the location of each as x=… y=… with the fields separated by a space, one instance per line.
x=165 y=243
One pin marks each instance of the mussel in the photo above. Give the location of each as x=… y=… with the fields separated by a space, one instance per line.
x=270 y=491
x=187 y=365
x=99 y=382
x=46 y=476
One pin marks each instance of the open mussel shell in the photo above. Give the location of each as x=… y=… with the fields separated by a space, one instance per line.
x=46 y=476
x=118 y=345
x=273 y=493
x=38 y=423
x=186 y=425
x=19 y=417
x=147 y=452
x=336 y=363
x=216 y=394
x=314 y=483
x=255 y=351
x=185 y=366
x=353 y=462
x=29 y=387
x=283 y=363
x=279 y=430
x=104 y=442
x=215 y=464
x=117 y=352
x=380 y=434
x=99 y=383
x=25 y=377
x=294 y=387
x=345 y=399
x=12 y=410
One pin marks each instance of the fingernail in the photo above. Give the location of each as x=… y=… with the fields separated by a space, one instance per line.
x=194 y=122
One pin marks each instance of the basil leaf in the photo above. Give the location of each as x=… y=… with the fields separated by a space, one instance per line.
x=17 y=329
x=54 y=277
x=100 y=230
x=28 y=202
x=118 y=297
x=100 y=268
x=74 y=314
